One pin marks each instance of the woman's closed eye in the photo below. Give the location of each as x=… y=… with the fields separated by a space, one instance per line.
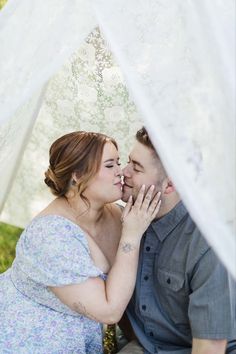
x=110 y=166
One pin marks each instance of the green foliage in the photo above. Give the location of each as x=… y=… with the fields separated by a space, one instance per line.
x=2 y=3
x=8 y=234
x=8 y=238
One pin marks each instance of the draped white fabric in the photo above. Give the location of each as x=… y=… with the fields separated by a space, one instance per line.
x=88 y=93
x=178 y=62
x=35 y=40
x=14 y=135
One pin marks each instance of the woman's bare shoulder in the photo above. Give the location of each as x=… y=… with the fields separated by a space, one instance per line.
x=56 y=207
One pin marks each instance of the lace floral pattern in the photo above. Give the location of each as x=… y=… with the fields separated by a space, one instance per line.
x=88 y=93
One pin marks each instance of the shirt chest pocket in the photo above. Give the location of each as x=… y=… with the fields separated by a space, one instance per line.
x=172 y=295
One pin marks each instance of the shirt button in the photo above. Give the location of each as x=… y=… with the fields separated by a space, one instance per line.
x=151 y=334
x=144 y=307
x=168 y=281
x=146 y=277
x=148 y=248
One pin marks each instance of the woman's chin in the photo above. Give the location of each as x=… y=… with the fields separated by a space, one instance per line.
x=125 y=196
x=115 y=197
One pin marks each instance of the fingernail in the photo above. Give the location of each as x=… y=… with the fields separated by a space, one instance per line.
x=143 y=186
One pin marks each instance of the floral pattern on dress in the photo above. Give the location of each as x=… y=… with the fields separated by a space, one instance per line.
x=52 y=251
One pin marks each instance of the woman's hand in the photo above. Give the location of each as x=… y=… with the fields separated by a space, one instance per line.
x=137 y=217
x=105 y=301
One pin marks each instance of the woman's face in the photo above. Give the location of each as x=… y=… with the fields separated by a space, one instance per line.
x=106 y=186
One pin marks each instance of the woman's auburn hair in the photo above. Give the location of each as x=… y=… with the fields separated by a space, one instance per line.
x=78 y=152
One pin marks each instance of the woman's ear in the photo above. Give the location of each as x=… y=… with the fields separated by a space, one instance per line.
x=74 y=179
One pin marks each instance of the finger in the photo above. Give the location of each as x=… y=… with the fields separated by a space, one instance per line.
x=140 y=196
x=148 y=197
x=154 y=202
x=127 y=208
x=156 y=210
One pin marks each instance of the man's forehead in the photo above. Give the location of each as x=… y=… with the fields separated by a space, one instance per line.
x=140 y=152
x=135 y=161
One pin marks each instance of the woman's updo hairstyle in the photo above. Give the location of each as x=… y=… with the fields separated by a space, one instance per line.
x=79 y=152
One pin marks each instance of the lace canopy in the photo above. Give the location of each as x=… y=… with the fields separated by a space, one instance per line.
x=111 y=66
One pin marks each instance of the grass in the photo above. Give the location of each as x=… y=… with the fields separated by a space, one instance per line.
x=8 y=237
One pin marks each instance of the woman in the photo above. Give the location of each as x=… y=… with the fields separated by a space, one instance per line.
x=75 y=264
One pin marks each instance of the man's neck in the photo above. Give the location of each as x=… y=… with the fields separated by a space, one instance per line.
x=168 y=204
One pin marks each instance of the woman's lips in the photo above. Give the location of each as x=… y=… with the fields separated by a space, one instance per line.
x=119 y=184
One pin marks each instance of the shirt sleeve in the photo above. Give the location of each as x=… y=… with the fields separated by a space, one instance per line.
x=54 y=252
x=212 y=300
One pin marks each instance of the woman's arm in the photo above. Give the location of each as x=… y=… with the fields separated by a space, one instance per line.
x=207 y=346
x=105 y=301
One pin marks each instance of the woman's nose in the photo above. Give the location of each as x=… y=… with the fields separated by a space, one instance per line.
x=118 y=171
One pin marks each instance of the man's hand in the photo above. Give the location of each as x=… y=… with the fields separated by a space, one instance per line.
x=208 y=346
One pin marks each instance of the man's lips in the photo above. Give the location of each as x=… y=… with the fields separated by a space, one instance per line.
x=127 y=185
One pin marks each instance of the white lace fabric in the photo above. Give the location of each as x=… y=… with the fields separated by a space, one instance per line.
x=178 y=64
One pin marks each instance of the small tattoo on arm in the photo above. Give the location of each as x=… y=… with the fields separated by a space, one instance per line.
x=127 y=247
x=81 y=309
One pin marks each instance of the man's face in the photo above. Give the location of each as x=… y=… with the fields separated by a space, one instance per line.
x=142 y=168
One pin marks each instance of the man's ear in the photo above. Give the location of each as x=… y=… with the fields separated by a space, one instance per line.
x=168 y=186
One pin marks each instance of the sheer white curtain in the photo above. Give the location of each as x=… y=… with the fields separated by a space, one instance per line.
x=87 y=93
x=179 y=61
x=35 y=40
x=14 y=135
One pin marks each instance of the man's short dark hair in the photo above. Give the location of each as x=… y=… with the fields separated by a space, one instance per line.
x=143 y=138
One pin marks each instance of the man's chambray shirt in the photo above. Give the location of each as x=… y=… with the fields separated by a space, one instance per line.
x=182 y=290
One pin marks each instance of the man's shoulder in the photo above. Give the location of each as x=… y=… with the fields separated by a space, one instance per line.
x=193 y=239
x=191 y=231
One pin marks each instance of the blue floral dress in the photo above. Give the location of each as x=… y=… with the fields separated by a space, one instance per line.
x=52 y=251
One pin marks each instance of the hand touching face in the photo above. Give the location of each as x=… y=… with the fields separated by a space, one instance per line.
x=142 y=168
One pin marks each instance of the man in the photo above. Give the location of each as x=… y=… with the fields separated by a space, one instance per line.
x=184 y=300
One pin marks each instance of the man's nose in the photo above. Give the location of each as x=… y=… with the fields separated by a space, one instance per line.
x=126 y=171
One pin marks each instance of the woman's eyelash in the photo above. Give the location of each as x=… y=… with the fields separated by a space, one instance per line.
x=110 y=166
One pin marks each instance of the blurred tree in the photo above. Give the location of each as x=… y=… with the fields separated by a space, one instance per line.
x=2 y=3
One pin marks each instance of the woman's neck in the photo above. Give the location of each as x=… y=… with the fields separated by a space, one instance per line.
x=84 y=213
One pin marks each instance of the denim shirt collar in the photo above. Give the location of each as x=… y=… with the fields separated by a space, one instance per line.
x=163 y=226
